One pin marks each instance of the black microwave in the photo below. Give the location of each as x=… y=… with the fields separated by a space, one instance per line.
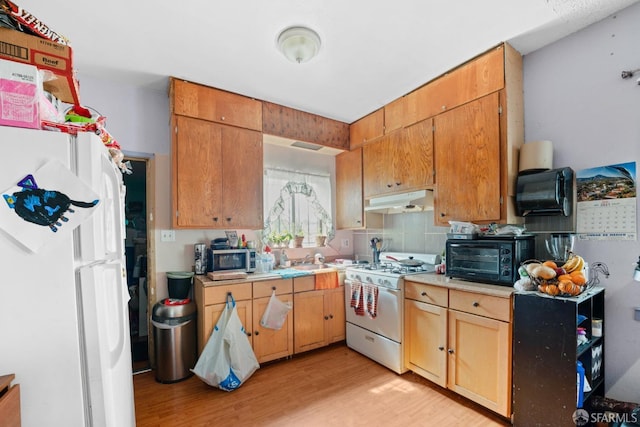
x=493 y=260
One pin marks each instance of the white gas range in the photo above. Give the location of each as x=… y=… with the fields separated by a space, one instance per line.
x=374 y=297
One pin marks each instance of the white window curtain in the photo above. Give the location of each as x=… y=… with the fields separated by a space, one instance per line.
x=297 y=203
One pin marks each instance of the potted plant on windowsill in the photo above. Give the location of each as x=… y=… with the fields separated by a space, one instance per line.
x=298 y=238
x=320 y=237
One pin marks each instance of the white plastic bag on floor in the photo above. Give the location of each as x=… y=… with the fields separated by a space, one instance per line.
x=275 y=314
x=227 y=360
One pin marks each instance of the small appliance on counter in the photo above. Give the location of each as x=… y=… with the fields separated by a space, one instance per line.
x=489 y=259
x=560 y=245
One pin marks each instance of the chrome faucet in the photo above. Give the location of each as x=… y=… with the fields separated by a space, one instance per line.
x=318 y=259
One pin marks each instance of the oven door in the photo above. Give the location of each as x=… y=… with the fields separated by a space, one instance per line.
x=474 y=261
x=388 y=321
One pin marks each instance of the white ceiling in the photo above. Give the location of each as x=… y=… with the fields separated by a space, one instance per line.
x=372 y=52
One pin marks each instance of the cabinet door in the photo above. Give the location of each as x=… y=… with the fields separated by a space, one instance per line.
x=197 y=168
x=394 y=114
x=212 y=315
x=366 y=129
x=203 y=102
x=413 y=159
x=241 y=178
x=309 y=321
x=476 y=78
x=468 y=162
x=479 y=362
x=377 y=167
x=335 y=311
x=271 y=344
x=426 y=340
x=349 y=204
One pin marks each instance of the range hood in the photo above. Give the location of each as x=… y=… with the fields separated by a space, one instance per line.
x=414 y=201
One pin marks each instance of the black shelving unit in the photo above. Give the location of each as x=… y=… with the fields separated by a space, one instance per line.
x=545 y=356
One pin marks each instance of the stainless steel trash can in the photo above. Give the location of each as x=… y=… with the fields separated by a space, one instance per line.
x=174 y=334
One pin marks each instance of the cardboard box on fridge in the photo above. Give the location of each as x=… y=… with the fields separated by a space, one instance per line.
x=55 y=58
x=20 y=91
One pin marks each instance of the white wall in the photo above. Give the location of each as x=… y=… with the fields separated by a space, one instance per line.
x=574 y=96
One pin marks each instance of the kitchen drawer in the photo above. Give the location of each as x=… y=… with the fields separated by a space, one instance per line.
x=264 y=289
x=304 y=284
x=426 y=293
x=218 y=294
x=482 y=305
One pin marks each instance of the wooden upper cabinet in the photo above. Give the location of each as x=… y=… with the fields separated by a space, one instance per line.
x=468 y=163
x=295 y=124
x=349 y=202
x=478 y=77
x=399 y=161
x=207 y=103
x=216 y=176
x=367 y=129
x=394 y=114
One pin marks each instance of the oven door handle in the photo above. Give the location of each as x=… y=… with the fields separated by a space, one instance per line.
x=349 y=282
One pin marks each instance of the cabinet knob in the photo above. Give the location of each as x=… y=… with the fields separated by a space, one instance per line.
x=441 y=348
x=476 y=304
x=358 y=221
x=398 y=184
x=248 y=334
x=273 y=288
x=228 y=218
x=256 y=333
x=326 y=317
x=331 y=316
x=215 y=219
x=444 y=107
x=442 y=214
x=450 y=351
x=222 y=118
x=389 y=185
x=424 y=294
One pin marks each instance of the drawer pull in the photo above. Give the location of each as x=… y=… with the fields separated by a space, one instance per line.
x=476 y=304
x=273 y=288
x=423 y=293
x=441 y=348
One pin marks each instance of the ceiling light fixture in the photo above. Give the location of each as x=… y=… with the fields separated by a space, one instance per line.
x=299 y=44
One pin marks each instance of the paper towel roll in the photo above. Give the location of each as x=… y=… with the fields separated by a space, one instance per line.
x=536 y=155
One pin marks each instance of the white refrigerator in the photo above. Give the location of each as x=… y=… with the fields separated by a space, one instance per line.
x=64 y=320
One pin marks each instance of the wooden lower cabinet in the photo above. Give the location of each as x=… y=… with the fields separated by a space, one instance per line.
x=479 y=365
x=251 y=302
x=464 y=351
x=426 y=330
x=271 y=344
x=319 y=318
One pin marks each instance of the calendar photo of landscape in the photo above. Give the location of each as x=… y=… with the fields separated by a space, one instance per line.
x=606 y=182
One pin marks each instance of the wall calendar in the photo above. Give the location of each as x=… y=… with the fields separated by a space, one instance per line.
x=606 y=202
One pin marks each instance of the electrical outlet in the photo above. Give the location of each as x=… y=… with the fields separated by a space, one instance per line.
x=167 y=236
x=345 y=243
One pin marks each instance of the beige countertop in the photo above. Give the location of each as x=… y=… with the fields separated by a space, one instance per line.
x=462 y=285
x=254 y=277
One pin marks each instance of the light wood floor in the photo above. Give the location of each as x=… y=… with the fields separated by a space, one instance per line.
x=334 y=386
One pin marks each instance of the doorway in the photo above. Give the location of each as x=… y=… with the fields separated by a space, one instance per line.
x=136 y=260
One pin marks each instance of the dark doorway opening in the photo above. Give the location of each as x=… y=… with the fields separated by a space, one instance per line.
x=136 y=256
